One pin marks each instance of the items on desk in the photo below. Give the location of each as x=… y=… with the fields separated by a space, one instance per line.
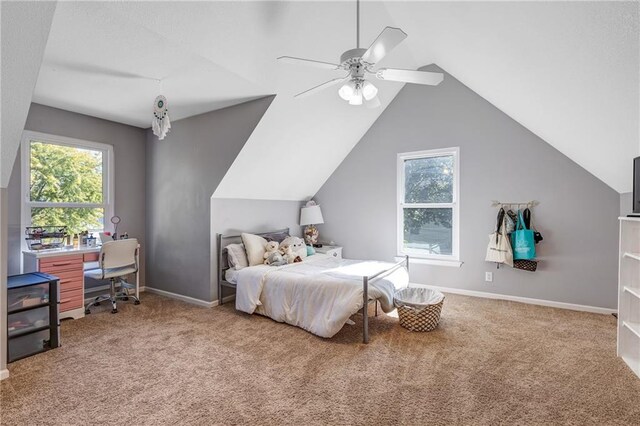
x=45 y=237
x=105 y=236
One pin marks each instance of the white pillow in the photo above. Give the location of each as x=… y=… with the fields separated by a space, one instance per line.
x=236 y=256
x=254 y=246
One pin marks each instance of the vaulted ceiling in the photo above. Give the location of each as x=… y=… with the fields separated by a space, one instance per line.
x=568 y=71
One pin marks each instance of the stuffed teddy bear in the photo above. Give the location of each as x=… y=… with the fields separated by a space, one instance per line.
x=272 y=255
x=287 y=253
x=270 y=247
x=275 y=259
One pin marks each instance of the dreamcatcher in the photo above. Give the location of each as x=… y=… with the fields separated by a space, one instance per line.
x=160 y=123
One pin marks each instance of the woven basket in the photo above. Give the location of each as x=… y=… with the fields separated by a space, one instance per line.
x=419 y=308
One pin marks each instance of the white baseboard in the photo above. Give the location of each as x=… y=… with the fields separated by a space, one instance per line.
x=530 y=301
x=187 y=299
x=4 y=374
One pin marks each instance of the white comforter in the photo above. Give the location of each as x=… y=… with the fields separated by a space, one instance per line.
x=318 y=294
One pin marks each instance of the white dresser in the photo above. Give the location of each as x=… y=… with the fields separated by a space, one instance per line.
x=629 y=293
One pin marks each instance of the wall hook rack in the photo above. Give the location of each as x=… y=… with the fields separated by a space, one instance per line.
x=525 y=204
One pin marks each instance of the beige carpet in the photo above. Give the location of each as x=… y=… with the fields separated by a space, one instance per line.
x=167 y=362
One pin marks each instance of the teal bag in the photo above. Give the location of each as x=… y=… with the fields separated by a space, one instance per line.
x=522 y=241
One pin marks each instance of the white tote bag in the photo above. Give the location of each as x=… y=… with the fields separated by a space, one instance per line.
x=499 y=248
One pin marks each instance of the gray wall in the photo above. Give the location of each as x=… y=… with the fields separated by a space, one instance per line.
x=129 y=151
x=626 y=203
x=500 y=160
x=233 y=216
x=183 y=171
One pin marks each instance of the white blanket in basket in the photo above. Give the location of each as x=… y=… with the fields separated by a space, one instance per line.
x=318 y=294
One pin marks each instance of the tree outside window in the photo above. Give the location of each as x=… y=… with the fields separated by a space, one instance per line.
x=428 y=203
x=66 y=185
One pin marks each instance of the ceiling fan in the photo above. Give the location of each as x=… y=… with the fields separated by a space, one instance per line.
x=360 y=63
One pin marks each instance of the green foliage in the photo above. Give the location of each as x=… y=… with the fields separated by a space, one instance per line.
x=428 y=180
x=62 y=174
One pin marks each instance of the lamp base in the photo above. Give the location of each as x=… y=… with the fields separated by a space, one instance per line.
x=311 y=235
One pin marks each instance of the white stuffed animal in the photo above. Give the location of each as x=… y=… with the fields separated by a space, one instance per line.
x=270 y=247
x=288 y=254
x=297 y=245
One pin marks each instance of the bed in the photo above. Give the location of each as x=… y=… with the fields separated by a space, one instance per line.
x=319 y=294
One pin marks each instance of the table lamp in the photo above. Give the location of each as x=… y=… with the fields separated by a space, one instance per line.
x=311 y=215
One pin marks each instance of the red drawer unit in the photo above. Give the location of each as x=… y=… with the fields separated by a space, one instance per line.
x=69 y=268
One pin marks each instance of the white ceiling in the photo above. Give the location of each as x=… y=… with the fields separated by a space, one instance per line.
x=568 y=71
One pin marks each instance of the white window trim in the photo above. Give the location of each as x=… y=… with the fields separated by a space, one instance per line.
x=108 y=184
x=454 y=258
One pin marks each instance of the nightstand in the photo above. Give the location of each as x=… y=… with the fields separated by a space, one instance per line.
x=335 y=251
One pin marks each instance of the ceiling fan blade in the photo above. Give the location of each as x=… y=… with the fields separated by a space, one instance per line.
x=308 y=62
x=388 y=39
x=409 y=76
x=322 y=86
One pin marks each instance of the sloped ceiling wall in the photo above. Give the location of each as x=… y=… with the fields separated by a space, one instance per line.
x=568 y=71
x=25 y=28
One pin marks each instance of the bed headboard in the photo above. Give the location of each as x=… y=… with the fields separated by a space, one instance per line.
x=223 y=241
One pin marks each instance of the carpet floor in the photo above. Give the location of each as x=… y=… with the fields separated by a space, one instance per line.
x=167 y=362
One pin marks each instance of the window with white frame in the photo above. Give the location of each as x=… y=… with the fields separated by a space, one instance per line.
x=66 y=182
x=428 y=201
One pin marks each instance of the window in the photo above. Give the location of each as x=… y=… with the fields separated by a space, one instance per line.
x=66 y=182
x=428 y=204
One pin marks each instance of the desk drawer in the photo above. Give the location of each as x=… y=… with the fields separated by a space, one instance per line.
x=55 y=265
x=91 y=257
x=72 y=282
x=71 y=299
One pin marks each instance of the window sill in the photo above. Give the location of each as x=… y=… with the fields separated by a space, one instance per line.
x=432 y=262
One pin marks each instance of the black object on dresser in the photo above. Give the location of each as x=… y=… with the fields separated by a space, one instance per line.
x=32 y=314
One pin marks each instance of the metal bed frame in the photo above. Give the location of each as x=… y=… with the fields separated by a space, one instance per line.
x=223 y=266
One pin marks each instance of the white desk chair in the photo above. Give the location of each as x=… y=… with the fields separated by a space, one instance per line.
x=117 y=259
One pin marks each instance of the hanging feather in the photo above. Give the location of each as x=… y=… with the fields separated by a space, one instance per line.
x=160 y=123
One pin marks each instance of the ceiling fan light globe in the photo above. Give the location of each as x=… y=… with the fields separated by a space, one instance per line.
x=346 y=91
x=369 y=91
x=356 y=99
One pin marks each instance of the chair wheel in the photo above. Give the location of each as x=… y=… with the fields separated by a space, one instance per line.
x=96 y=304
x=87 y=312
x=137 y=302
x=125 y=298
x=114 y=311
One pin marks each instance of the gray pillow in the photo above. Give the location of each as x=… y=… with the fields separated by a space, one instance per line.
x=275 y=236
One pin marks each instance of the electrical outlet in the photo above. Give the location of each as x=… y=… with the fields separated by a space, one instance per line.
x=488 y=276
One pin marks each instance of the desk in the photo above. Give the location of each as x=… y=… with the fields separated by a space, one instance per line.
x=68 y=265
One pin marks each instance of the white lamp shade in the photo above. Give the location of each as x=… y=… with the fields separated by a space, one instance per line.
x=369 y=91
x=356 y=99
x=347 y=90
x=311 y=215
